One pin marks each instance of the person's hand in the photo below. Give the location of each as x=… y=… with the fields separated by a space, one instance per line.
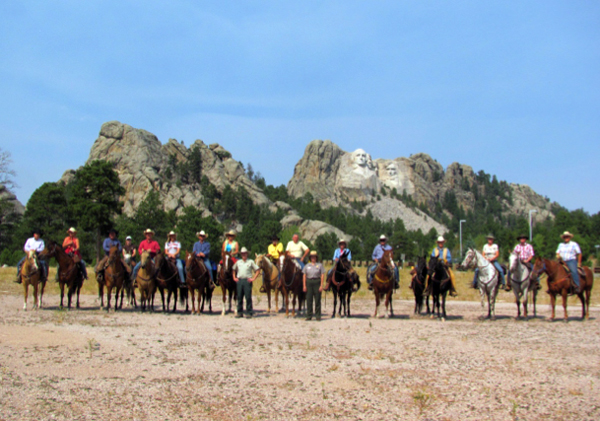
x=304 y=289
x=320 y=289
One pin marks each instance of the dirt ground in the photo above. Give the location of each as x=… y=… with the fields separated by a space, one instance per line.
x=87 y=364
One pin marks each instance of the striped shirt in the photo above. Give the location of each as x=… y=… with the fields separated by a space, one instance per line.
x=524 y=251
x=568 y=251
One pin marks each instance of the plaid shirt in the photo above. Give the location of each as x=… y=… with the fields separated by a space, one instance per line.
x=568 y=251
x=524 y=251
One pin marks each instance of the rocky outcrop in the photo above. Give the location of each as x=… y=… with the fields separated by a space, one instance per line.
x=310 y=229
x=144 y=164
x=13 y=204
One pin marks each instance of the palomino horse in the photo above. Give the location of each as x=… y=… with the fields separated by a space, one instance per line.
x=31 y=274
x=520 y=281
x=225 y=277
x=439 y=285
x=129 y=285
x=68 y=272
x=196 y=279
x=487 y=281
x=270 y=276
x=167 y=277
x=114 y=277
x=146 y=281
x=342 y=279
x=559 y=282
x=417 y=284
x=291 y=282
x=383 y=283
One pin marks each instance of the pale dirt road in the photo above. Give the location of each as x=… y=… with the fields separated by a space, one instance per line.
x=89 y=365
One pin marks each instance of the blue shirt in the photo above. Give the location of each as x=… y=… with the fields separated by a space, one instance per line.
x=378 y=251
x=202 y=248
x=440 y=253
x=337 y=253
x=108 y=243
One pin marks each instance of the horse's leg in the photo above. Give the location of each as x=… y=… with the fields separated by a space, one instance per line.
x=564 y=300
x=387 y=305
x=294 y=304
x=25 y=292
x=175 y=292
x=334 y=302
x=392 y=302
x=552 y=304
x=587 y=303
x=348 y=303
x=224 y=291
x=109 y=289
x=287 y=303
x=101 y=295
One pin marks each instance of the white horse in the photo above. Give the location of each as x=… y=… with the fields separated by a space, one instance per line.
x=487 y=280
x=520 y=280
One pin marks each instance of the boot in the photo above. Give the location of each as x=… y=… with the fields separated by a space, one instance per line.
x=370 y=287
x=507 y=287
x=396 y=284
x=18 y=279
x=453 y=292
x=262 y=289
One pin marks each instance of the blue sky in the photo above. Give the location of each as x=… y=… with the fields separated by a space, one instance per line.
x=509 y=87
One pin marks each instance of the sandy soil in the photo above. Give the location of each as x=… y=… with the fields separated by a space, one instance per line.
x=87 y=364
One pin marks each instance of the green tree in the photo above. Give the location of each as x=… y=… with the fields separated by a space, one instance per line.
x=190 y=222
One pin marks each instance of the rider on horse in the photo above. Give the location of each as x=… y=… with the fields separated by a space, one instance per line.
x=526 y=254
x=71 y=246
x=202 y=250
x=274 y=251
x=342 y=250
x=442 y=252
x=298 y=250
x=36 y=244
x=377 y=255
x=569 y=253
x=229 y=246
x=109 y=242
x=172 y=249
x=129 y=251
x=491 y=253
x=150 y=245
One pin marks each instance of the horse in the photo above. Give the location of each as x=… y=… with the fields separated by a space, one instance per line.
x=167 y=277
x=207 y=294
x=292 y=282
x=520 y=280
x=417 y=284
x=383 y=283
x=68 y=272
x=270 y=275
x=31 y=274
x=487 y=281
x=342 y=279
x=439 y=285
x=559 y=282
x=225 y=278
x=129 y=285
x=196 y=279
x=114 y=277
x=146 y=281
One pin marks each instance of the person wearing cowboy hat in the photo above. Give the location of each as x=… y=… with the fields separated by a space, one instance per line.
x=377 y=254
x=202 y=250
x=569 y=253
x=172 y=249
x=342 y=250
x=525 y=253
x=491 y=253
x=441 y=251
x=313 y=278
x=245 y=271
x=71 y=246
x=297 y=249
x=109 y=242
x=36 y=244
x=229 y=246
x=274 y=252
x=148 y=244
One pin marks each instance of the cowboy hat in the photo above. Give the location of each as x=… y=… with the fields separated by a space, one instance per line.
x=566 y=234
x=440 y=239
x=148 y=231
x=128 y=238
x=342 y=241
x=382 y=237
x=244 y=250
x=201 y=234
x=73 y=230
x=172 y=233
x=490 y=236
x=230 y=232
x=522 y=236
x=313 y=253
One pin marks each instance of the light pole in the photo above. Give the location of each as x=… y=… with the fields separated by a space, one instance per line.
x=531 y=212
x=460 y=229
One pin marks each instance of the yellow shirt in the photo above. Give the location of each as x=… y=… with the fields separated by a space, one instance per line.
x=275 y=251
x=296 y=249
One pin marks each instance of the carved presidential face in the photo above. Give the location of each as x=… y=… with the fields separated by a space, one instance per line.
x=360 y=158
x=392 y=170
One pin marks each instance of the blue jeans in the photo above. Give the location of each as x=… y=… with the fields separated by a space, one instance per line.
x=500 y=272
x=572 y=264
x=208 y=267
x=135 y=270
x=301 y=262
x=43 y=264
x=179 y=264
x=371 y=272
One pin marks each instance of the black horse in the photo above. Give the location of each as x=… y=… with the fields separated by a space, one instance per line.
x=439 y=284
x=342 y=279
x=167 y=278
x=417 y=284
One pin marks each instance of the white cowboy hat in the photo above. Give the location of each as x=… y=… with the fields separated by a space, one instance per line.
x=73 y=230
x=231 y=232
x=342 y=241
x=566 y=234
x=128 y=238
x=201 y=234
x=440 y=239
x=313 y=253
x=244 y=250
x=172 y=233
x=148 y=231
x=382 y=237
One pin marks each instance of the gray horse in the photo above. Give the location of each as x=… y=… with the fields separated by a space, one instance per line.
x=487 y=281
x=520 y=280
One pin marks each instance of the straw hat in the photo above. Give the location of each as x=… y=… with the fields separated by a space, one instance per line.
x=73 y=230
x=172 y=233
x=313 y=253
x=244 y=250
x=566 y=234
x=342 y=241
x=490 y=236
x=230 y=233
x=382 y=237
x=201 y=234
x=440 y=239
x=148 y=231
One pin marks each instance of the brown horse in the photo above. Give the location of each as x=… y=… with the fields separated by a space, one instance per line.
x=114 y=277
x=383 y=283
x=31 y=274
x=341 y=280
x=270 y=275
x=291 y=282
x=167 y=277
x=196 y=279
x=146 y=281
x=559 y=282
x=68 y=272
x=225 y=278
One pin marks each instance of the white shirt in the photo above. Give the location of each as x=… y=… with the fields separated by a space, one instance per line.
x=490 y=251
x=173 y=247
x=33 y=244
x=296 y=249
x=568 y=251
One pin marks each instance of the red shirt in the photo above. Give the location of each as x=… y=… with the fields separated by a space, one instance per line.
x=152 y=246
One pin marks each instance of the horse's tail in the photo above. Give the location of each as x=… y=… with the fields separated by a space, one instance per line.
x=183 y=295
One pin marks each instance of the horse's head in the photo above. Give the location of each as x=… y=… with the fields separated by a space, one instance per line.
x=470 y=259
x=434 y=262
x=421 y=268
x=344 y=263
x=190 y=260
x=513 y=261
x=113 y=255
x=387 y=260
x=539 y=267
x=144 y=259
x=49 y=251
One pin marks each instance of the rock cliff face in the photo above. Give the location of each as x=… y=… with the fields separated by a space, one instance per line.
x=13 y=203
x=336 y=178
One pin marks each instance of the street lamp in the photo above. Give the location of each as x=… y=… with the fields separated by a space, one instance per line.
x=460 y=229
x=531 y=212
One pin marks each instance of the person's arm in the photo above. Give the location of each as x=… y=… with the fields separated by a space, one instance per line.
x=375 y=255
x=531 y=256
x=26 y=246
x=336 y=255
x=106 y=245
x=234 y=272
x=133 y=251
x=349 y=255
x=496 y=255
x=322 y=279
x=236 y=248
x=304 y=282
x=256 y=271
x=279 y=248
x=305 y=253
x=206 y=251
x=140 y=249
x=67 y=242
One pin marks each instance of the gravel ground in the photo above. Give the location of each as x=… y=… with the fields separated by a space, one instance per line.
x=87 y=364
